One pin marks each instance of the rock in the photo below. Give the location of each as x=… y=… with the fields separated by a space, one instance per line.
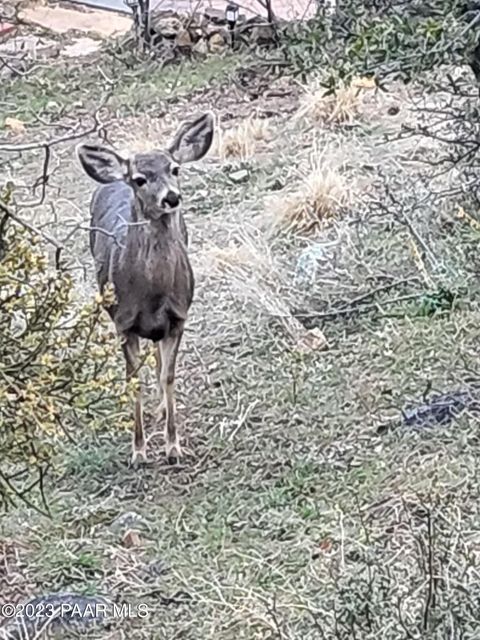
x=131 y=539
x=6 y=29
x=81 y=47
x=162 y=14
x=261 y=35
x=167 y=27
x=393 y=110
x=275 y=185
x=312 y=340
x=196 y=33
x=216 y=43
x=311 y=259
x=215 y=16
x=15 y=125
x=365 y=82
x=184 y=39
x=201 y=47
x=239 y=177
x=128 y=520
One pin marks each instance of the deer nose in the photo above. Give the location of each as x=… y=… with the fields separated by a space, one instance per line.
x=172 y=199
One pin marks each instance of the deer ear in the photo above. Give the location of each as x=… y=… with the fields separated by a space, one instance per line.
x=101 y=163
x=193 y=139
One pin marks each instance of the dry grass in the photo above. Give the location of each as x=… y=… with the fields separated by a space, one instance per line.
x=254 y=275
x=290 y=517
x=243 y=140
x=319 y=199
x=260 y=280
x=344 y=106
x=156 y=134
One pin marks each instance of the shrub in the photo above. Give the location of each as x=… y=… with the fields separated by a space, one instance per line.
x=57 y=377
x=394 y=38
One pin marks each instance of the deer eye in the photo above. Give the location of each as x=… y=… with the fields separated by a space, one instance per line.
x=175 y=171
x=139 y=180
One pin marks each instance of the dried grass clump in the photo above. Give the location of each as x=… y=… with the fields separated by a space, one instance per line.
x=257 y=278
x=242 y=141
x=240 y=255
x=319 y=199
x=343 y=106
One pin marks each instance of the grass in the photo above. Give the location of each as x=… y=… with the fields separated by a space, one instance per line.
x=343 y=105
x=321 y=197
x=67 y=87
x=292 y=517
x=243 y=140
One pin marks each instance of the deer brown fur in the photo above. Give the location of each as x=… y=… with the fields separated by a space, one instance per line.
x=138 y=241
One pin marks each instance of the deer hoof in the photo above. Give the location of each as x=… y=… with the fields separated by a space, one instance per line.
x=173 y=452
x=139 y=456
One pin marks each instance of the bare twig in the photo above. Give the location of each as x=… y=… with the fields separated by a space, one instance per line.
x=97 y=126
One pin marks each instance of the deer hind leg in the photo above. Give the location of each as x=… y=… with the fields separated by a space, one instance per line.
x=131 y=350
x=168 y=355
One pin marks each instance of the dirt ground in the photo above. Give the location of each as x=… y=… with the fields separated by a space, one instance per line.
x=292 y=515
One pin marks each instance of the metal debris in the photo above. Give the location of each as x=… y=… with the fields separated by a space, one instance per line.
x=438 y=409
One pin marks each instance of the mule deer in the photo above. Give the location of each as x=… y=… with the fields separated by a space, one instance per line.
x=138 y=241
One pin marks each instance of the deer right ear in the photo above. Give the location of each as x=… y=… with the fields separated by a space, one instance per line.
x=193 y=139
x=101 y=163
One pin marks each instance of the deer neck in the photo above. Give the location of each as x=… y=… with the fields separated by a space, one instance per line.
x=167 y=225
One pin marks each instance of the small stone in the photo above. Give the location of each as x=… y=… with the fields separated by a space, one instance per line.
x=275 y=185
x=16 y=125
x=364 y=82
x=201 y=47
x=131 y=539
x=167 y=27
x=239 y=177
x=196 y=33
x=261 y=35
x=216 y=43
x=127 y=520
x=200 y=194
x=313 y=340
x=184 y=39
x=6 y=29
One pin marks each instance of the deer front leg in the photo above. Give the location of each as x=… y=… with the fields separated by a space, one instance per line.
x=168 y=356
x=162 y=409
x=131 y=350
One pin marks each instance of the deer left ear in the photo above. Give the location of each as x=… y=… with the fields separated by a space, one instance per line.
x=193 y=139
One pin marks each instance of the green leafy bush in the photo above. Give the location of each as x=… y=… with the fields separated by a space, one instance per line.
x=384 y=38
x=57 y=373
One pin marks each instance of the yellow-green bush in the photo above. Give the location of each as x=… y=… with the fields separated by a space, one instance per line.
x=59 y=377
